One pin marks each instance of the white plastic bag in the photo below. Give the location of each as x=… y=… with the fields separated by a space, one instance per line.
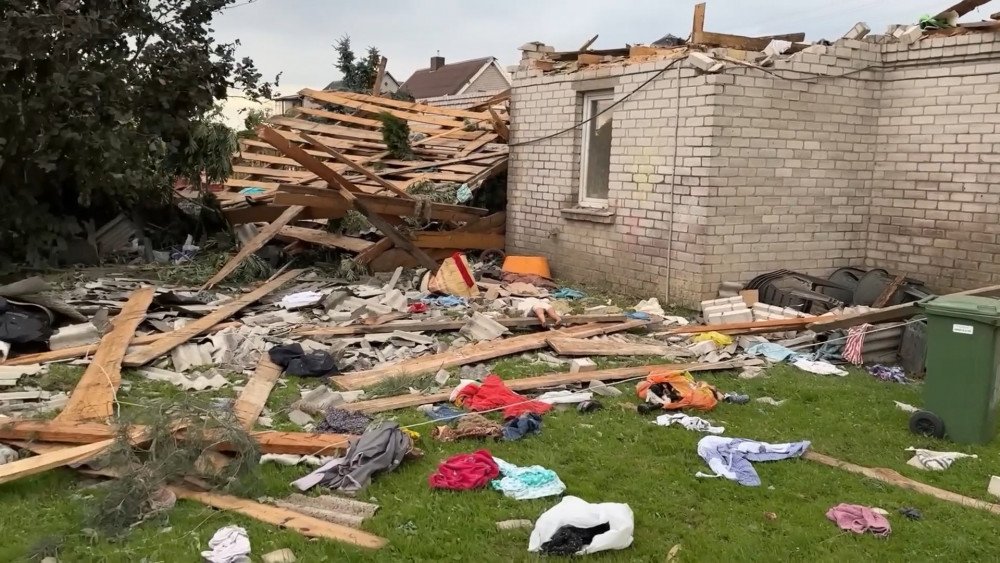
x=574 y=511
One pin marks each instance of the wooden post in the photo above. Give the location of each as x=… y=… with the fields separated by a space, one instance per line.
x=379 y=77
x=698 y=25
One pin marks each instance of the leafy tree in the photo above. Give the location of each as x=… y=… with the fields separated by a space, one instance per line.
x=102 y=104
x=359 y=74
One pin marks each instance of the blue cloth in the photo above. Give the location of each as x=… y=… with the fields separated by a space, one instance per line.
x=894 y=374
x=638 y=316
x=567 y=293
x=521 y=426
x=524 y=483
x=445 y=301
x=252 y=191
x=771 y=351
x=443 y=412
x=732 y=457
x=463 y=194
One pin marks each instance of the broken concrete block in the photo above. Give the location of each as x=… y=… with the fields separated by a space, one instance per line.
x=994 y=487
x=550 y=359
x=704 y=62
x=395 y=300
x=350 y=396
x=480 y=327
x=74 y=335
x=604 y=390
x=911 y=35
x=580 y=365
x=318 y=400
x=281 y=556
x=531 y=46
x=299 y=417
x=859 y=30
x=441 y=377
x=741 y=316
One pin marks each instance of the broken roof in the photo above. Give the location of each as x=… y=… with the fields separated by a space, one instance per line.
x=446 y=80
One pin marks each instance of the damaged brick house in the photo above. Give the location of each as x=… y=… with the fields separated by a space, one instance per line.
x=878 y=150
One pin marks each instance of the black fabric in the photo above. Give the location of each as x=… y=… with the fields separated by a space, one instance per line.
x=569 y=539
x=589 y=406
x=296 y=362
x=20 y=325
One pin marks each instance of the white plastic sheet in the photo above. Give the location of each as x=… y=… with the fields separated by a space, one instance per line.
x=574 y=511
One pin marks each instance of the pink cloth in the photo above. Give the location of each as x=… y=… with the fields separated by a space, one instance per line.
x=855 y=341
x=465 y=471
x=493 y=394
x=859 y=519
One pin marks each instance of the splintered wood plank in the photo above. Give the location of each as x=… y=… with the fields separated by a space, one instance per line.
x=93 y=397
x=254 y=244
x=580 y=347
x=498 y=125
x=379 y=77
x=283 y=517
x=356 y=167
x=773 y=325
x=540 y=382
x=434 y=326
x=698 y=24
x=337 y=181
x=373 y=252
x=410 y=106
x=323 y=238
x=253 y=397
x=479 y=143
x=465 y=241
x=474 y=353
x=180 y=336
x=339 y=99
x=87 y=349
x=55 y=458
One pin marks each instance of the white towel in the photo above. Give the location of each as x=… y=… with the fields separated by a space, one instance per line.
x=934 y=461
x=229 y=545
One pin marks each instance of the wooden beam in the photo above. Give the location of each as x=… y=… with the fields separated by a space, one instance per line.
x=474 y=353
x=355 y=166
x=588 y=43
x=338 y=181
x=528 y=383
x=403 y=105
x=254 y=244
x=435 y=326
x=892 y=313
x=774 y=325
x=739 y=41
x=497 y=99
x=373 y=252
x=323 y=238
x=269 y=212
x=580 y=347
x=379 y=77
x=94 y=395
x=698 y=23
x=888 y=292
x=339 y=99
x=465 y=241
x=962 y=8
x=893 y=478
x=499 y=126
x=180 y=336
x=282 y=517
x=253 y=397
x=589 y=59
x=57 y=458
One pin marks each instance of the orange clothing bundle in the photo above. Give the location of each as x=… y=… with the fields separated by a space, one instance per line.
x=681 y=389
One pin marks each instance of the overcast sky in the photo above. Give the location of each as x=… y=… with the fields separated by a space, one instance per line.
x=295 y=37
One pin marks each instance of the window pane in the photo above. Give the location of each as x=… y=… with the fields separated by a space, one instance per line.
x=598 y=150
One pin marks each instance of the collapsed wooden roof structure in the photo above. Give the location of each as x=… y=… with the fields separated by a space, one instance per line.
x=328 y=157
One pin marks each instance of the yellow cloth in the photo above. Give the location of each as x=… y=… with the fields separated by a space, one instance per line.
x=412 y=434
x=721 y=340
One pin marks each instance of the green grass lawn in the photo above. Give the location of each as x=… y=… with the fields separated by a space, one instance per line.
x=614 y=455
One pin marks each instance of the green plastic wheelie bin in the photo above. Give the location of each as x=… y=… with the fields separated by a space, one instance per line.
x=962 y=385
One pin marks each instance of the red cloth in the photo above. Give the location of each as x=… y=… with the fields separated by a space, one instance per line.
x=465 y=471
x=418 y=307
x=492 y=393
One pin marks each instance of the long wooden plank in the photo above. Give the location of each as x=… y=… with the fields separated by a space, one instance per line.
x=379 y=77
x=499 y=126
x=698 y=23
x=466 y=241
x=286 y=175
x=87 y=349
x=323 y=238
x=253 y=245
x=355 y=166
x=337 y=98
x=331 y=130
x=93 y=397
x=56 y=458
x=202 y=325
x=434 y=326
x=581 y=347
x=376 y=125
x=891 y=477
x=337 y=181
x=410 y=106
x=253 y=397
x=387 y=205
x=283 y=517
x=269 y=212
x=778 y=325
x=528 y=383
x=474 y=353
x=963 y=7
x=892 y=313
x=740 y=41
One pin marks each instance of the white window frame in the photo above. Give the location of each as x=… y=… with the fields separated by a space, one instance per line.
x=588 y=99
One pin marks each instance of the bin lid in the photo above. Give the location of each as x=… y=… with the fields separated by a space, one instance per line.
x=971 y=306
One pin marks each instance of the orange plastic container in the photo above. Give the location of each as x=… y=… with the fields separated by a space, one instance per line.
x=536 y=265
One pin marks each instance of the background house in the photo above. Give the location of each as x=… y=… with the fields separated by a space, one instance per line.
x=461 y=83
x=284 y=103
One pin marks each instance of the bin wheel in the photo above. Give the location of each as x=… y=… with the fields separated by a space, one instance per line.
x=927 y=424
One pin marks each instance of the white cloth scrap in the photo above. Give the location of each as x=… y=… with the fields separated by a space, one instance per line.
x=229 y=545
x=574 y=511
x=934 y=461
x=690 y=422
x=565 y=397
x=905 y=407
x=301 y=299
x=818 y=367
